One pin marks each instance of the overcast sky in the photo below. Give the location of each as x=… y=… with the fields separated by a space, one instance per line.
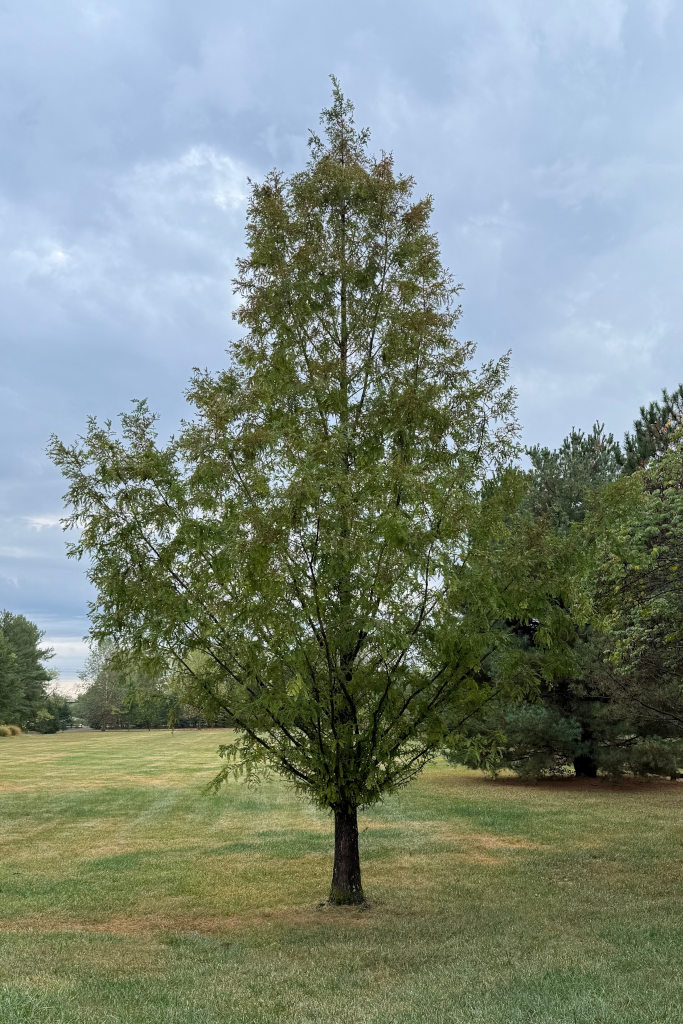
x=550 y=134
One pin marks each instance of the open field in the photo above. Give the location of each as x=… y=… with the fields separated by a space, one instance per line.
x=128 y=896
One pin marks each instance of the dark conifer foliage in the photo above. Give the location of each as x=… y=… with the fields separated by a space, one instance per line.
x=653 y=431
x=619 y=707
x=23 y=672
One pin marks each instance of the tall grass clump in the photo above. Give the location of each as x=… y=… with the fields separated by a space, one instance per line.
x=5 y=730
x=14 y=730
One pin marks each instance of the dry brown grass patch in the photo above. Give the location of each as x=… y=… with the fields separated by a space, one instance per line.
x=193 y=925
x=445 y=831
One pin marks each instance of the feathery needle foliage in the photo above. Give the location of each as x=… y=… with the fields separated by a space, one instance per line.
x=312 y=548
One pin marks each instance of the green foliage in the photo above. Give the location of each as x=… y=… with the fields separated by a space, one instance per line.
x=653 y=431
x=563 y=480
x=23 y=674
x=192 y=693
x=616 y=706
x=644 y=755
x=638 y=528
x=55 y=714
x=317 y=548
x=530 y=738
x=124 y=691
x=99 y=704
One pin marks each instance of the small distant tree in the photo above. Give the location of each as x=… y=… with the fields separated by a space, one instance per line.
x=123 y=689
x=100 y=703
x=147 y=701
x=318 y=535
x=55 y=714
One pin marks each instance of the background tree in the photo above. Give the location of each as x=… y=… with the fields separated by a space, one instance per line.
x=318 y=534
x=55 y=714
x=124 y=690
x=653 y=431
x=571 y=725
x=100 y=703
x=562 y=481
x=23 y=673
x=639 y=530
x=616 y=709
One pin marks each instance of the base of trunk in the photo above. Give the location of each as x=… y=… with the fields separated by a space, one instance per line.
x=585 y=767
x=346 y=883
x=343 y=898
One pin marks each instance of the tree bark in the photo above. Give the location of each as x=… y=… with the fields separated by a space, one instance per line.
x=585 y=767
x=346 y=883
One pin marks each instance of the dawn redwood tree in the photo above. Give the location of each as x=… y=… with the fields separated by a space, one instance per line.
x=311 y=547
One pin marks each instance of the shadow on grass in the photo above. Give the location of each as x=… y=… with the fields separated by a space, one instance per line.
x=569 y=783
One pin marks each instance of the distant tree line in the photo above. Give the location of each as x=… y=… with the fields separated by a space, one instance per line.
x=120 y=692
x=123 y=692
x=25 y=697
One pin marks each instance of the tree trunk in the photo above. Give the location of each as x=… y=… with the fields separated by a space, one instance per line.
x=346 y=883
x=585 y=767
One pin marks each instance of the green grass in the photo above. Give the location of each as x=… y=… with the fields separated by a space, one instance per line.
x=129 y=897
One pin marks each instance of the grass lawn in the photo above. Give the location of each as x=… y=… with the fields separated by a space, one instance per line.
x=129 y=897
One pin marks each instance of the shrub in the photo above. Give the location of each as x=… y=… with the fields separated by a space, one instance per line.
x=650 y=755
x=14 y=730
x=4 y=731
